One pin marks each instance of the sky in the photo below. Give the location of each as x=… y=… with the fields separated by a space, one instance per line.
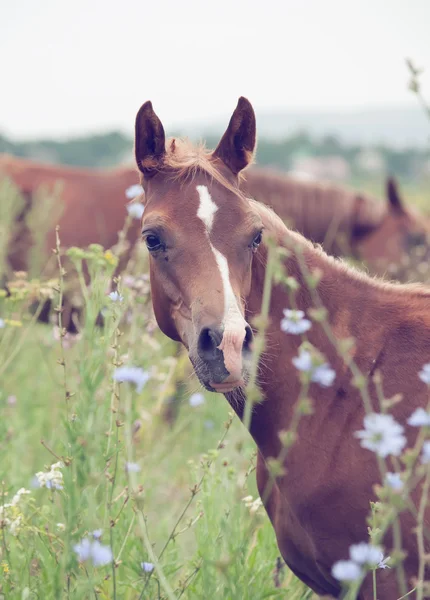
x=86 y=66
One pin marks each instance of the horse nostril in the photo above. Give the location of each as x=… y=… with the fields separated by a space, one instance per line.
x=247 y=342
x=209 y=340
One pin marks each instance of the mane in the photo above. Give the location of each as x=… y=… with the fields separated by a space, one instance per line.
x=184 y=160
x=283 y=235
x=315 y=207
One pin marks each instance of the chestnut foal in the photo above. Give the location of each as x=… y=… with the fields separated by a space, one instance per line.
x=208 y=257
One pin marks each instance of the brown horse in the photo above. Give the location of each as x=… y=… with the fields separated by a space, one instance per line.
x=345 y=221
x=208 y=255
x=91 y=202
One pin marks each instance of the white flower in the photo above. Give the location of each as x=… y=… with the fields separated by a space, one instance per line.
x=196 y=400
x=53 y=479
x=303 y=362
x=419 y=418
x=394 y=481
x=135 y=210
x=147 y=567
x=18 y=495
x=294 y=322
x=116 y=296
x=425 y=456
x=61 y=526
x=365 y=554
x=133 y=191
x=322 y=374
x=100 y=555
x=2 y=323
x=253 y=505
x=132 y=467
x=382 y=434
x=424 y=374
x=346 y=570
x=134 y=375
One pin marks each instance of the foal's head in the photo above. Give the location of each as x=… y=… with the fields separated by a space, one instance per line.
x=201 y=233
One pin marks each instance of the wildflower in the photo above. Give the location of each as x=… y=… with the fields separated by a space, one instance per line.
x=133 y=191
x=135 y=210
x=253 y=505
x=196 y=400
x=100 y=555
x=419 y=418
x=13 y=323
x=382 y=434
x=2 y=323
x=147 y=567
x=394 y=481
x=97 y=534
x=134 y=375
x=322 y=374
x=5 y=567
x=11 y=400
x=303 y=362
x=53 y=479
x=346 y=570
x=383 y=562
x=424 y=374
x=294 y=322
x=61 y=526
x=132 y=467
x=110 y=258
x=365 y=554
x=425 y=456
x=116 y=297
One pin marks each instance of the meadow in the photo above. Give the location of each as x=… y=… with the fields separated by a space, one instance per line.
x=141 y=490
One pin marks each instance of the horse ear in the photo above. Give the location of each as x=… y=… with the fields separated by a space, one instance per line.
x=149 y=146
x=394 y=200
x=236 y=148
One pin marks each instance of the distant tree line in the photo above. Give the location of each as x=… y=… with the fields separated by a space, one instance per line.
x=109 y=149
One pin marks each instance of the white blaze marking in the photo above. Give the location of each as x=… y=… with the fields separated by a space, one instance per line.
x=233 y=321
x=207 y=207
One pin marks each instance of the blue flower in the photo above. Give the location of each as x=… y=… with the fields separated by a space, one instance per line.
x=133 y=191
x=382 y=434
x=365 y=554
x=424 y=374
x=419 y=418
x=394 y=481
x=346 y=570
x=134 y=375
x=135 y=210
x=147 y=567
x=83 y=549
x=425 y=456
x=196 y=400
x=97 y=534
x=322 y=374
x=294 y=322
x=132 y=467
x=303 y=362
x=116 y=297
x=100 y=555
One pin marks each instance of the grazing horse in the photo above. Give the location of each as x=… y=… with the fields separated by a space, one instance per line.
x=346 y=222
x=208 y=256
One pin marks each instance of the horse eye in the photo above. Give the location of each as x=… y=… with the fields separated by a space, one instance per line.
x=153 y=242
x=257 y=240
